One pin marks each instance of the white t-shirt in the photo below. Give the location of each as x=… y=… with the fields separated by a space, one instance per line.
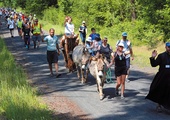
x=127 y=46
x=51 y=42
x=11 y=24
x=69 y=28
x=0 y=12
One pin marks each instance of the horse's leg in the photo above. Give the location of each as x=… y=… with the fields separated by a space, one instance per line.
x=100 y=88
x=82 y=76
x=65 y=58
x=87 y=72
x=78 y=70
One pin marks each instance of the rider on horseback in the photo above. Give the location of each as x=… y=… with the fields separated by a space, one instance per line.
x=69 y=30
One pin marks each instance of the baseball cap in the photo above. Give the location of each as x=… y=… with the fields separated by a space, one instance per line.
x=167 y=44
x=124 y=34
x=83 y=22
x=121 y=44
x=89 y=39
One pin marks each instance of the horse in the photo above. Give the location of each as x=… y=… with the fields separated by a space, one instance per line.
x=81 y=57
x=98 y=69
x=69 y=44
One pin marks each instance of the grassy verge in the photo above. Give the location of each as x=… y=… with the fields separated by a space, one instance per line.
x=18 y=100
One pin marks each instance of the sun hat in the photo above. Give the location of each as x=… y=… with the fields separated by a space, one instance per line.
x=167 y=44
x=121 y=44
x=124 y=34
x=89 y=39
x=83 y=22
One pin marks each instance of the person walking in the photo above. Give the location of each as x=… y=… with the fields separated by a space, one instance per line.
x=93 y=34
x=37 y=31
x=52 y=51
x=26 y=28
x=160 y=87
x=128 y=51
x=105 y=49
x=83 y=32
x=119 y=59
x=19 y=27
x=11 y=26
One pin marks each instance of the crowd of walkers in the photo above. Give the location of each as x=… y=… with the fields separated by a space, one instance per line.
x=27 y=25
x=120 y=56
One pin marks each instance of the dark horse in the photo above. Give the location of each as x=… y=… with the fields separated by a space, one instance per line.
x=69 y=45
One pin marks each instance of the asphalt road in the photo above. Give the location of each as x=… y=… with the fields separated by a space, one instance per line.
x=133 y=107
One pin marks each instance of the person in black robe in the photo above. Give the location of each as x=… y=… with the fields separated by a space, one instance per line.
x=160 y=87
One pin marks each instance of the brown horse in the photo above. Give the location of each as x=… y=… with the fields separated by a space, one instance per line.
x=69 y=45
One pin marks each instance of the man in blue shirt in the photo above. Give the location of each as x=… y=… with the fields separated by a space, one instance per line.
x=94 y=35
x=52 y=51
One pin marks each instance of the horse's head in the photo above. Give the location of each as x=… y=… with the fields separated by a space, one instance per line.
x=85 y=57
x=101 y=65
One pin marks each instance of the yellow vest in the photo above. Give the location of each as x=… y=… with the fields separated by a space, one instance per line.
x=37 y=29
x=19 y=24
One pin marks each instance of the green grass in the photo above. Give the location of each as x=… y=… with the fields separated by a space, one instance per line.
x=18 y=100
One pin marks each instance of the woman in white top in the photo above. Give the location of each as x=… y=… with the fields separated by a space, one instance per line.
x=11 y=24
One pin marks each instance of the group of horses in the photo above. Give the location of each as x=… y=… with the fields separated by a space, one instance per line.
x=78 y=58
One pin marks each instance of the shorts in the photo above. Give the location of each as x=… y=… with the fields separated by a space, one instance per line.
x=27 y=38
x=68 y=34
x=36 y=38
x=128 y=63
x=120 y=71
x=19 y=29
x=52 y=57
x=11 y=29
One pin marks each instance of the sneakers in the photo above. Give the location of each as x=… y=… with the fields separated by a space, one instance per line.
x=127 y=80
x=122 y=97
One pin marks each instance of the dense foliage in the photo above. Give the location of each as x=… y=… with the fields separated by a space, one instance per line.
x=146 y=21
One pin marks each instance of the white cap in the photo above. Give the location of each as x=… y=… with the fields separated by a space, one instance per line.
x=83 y=22
x=121 y=44
x=89 y=39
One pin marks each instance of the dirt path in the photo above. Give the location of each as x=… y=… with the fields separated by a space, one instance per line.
x=70 y=100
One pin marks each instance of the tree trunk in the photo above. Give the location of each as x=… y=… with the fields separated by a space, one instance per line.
x=133 y=13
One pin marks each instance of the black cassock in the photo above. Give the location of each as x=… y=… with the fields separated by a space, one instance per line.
x=160 y=87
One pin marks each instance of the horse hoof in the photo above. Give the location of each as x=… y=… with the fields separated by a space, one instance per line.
x=101 y=97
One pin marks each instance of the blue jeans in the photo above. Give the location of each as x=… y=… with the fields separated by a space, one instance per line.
x=82 y=38
x=128 y=63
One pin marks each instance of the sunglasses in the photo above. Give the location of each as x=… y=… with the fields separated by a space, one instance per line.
x=168 y=46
